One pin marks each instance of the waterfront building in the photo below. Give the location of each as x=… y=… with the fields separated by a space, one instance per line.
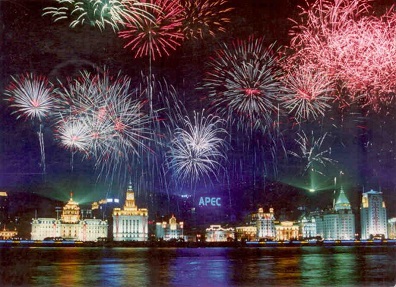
x=70 y=226
x=373 y=215
x=169 y=230
x=4 y=206
x=286 y=230
x=216 y=233
x=392 y=228
x=7 y=234
x=337 y=223
x=246 y=233
x=45 y=228
x=265 y=224
x=104 y=209
x=92 y=229
x=307 y=227
x=130 y=223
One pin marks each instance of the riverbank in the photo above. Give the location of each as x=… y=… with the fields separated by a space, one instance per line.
x=137 y=244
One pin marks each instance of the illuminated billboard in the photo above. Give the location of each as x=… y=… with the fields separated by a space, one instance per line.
x=209 y=201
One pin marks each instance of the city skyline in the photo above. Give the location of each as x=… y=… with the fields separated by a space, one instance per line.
x=107 y=219
x=308 y=155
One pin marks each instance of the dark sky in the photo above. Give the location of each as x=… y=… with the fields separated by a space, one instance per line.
x=363 y=146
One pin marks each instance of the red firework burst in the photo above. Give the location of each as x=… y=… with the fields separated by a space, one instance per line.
x=157 y=36
x=354 y=48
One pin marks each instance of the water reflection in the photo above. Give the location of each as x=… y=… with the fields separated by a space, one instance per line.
x=308 y=266
x=327 y=268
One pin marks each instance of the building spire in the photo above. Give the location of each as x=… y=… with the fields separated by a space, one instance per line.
x=342 y=201
x=130 y=185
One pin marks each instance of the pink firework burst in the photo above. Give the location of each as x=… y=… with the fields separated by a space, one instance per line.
x=363 y=56
x=308 y=93
x=204 y=17
x=159 y=35
x=356 y=49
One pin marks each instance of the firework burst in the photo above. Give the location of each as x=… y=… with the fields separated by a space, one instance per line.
x=354 y=48
x=198 y=148
x=204 y=17
x=312 y=152
x=32 y=96
x=112 y=124
x=157 y=36
x=243 y=82
x=100 y=13
x=74 y=135
x=308 y=93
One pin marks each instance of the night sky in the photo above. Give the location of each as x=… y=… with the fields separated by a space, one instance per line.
x=363 y=146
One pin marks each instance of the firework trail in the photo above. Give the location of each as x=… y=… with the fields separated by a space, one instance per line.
x=198 y=148
x=243 y=83
x=32 y=97
x=312 y=152
x=204 y=17
x=99 y=13
x=168 y=111
x=157 y=36
x=108 y=110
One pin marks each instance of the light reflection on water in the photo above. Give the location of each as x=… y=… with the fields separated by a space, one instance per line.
x=288 y=266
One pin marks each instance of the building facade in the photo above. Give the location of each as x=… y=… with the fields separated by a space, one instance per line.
x=337 y=223
x=7 y=234
x=373 y=218
x=307 y=226
x=69 y=226
x=169 y=230
x=216 y=233
x=265 y=224
x=130 y=223
x=392 y=228
x=246 y=233
x=286 y=230
x=104 y=209
x=4 y=206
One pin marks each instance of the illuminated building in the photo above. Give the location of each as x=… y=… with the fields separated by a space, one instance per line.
x=392 y=228
x=246 y=233
x=131 y=222
x=70 y=226
x=307 y=226
x=373 y=219
x=286 y=230
x=338 y=223
x=168 y=231
x=216 y=233
x=45 y=227
x=265 y=224
x=4 y=205
x=7 y=234
x=104 y=209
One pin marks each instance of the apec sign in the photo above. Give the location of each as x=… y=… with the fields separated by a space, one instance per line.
x=209 y=201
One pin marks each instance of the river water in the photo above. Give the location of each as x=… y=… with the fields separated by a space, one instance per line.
x=208 y=267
